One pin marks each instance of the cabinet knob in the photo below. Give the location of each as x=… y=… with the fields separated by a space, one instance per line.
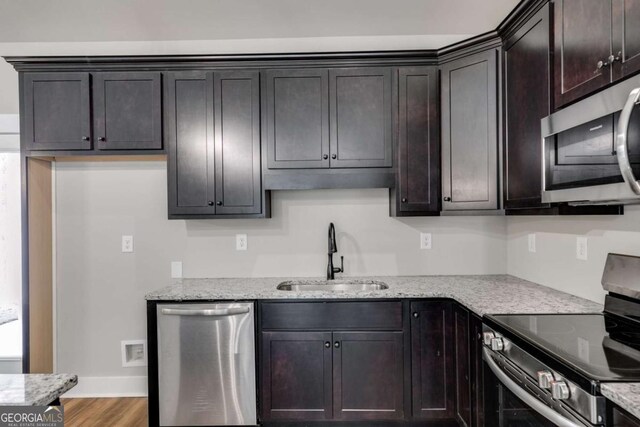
x=85 y=138
x=416 y=314
x=210 y=203
x=334 y=156
x=325 y=156
x=327 y=344
x=404 y=200
x=447 y=199
x=337 y=344
x=219 y=203
x=102 y=139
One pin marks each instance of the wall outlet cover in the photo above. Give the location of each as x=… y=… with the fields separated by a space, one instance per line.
x=532 y=242
x=134 y=353
x=582 y=248
x=127 y=244
x=241 y=242
x=425 y=240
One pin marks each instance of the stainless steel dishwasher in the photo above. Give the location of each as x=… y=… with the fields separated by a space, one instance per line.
x=206 y=364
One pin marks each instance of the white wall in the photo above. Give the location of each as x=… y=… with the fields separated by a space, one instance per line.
x=554 y=263
x=100 y=291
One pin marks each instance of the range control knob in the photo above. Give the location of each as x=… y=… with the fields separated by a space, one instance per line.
x=487 y=337
x=545 y=378
x=560 y=390
x=497 y=344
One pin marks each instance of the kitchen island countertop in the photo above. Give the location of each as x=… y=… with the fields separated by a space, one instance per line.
x=486 y=294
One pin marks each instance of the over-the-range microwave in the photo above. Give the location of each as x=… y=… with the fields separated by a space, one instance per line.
x=591 y=149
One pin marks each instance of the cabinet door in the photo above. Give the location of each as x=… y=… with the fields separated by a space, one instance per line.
x=527 y=72
x=626 y=37
x=418 y=140
x=368 y=376
x=433 y=380
x=236 y=103
x=470 y=132
x=582 y=34
x=297 y=118
x=622 y=418
x=462 y=368
x=360 y=117
x=296 y=376
x=189 y=121
x=127 y=110
x=57 y=111
x=477 y=377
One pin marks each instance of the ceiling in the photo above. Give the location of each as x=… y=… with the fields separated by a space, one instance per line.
x=179 y=20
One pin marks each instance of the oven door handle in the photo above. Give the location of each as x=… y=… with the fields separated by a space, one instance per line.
x=523 y=395
x=622 y=143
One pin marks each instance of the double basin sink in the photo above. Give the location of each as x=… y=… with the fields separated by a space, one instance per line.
x=332 y=285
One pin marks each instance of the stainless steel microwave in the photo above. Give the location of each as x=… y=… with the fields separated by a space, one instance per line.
x=591 y=149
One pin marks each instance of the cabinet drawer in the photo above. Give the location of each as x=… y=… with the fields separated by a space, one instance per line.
x=332 y=315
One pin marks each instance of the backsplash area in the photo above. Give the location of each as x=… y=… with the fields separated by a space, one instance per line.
x=97 y=203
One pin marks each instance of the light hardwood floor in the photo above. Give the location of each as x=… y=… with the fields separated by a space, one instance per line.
x=105 y=412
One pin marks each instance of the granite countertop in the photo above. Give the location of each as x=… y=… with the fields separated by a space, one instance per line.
x=627 y=396
x=8 y=313
x=491 y=294
x=34 y=389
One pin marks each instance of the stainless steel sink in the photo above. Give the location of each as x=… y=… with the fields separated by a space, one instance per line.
x=332 y=285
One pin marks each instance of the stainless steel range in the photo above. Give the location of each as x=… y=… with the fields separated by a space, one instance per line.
x=546 y=369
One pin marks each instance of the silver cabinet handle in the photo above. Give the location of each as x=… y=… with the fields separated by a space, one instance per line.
x=206 y=312
x=528 y=399
x=622 y=145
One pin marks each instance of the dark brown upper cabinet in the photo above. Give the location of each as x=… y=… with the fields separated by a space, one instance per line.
x=337 y=118
x=212 y=128
x=127 y=109
x=57 y=111
x=417 y=189
x=597 y=42
x=432 y=345
x=297 y=118
x=469 y=115
x=527 y=83
x=626 y=38
x=582 y=34
x=360 y=117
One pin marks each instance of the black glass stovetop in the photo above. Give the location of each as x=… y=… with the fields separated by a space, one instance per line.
x=600 y=346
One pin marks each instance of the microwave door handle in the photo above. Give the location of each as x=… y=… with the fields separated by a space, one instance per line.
x=622 y=143
x=527 y=398
x=205 y=312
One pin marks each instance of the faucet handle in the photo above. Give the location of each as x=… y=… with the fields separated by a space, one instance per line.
x=341 y=268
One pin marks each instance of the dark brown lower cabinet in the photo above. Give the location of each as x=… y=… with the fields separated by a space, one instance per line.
x=432 y=382
x=296 y=375
x=350 y=375
x=462 y=366
x=477 y=379
x=368 y=376
x=621 y=418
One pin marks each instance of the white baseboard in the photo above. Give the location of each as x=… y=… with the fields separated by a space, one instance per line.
x=10 y=365
x=109 y=387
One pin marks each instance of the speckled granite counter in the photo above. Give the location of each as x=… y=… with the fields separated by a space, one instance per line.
x=627 y=396
x=482 y=294
x=34 y=389
x=8 y=313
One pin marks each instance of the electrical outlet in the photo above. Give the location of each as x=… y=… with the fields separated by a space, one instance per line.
x=176 y=269
x=581 y=248
x=425 y=240
x=134 y=353
x=241 y=242
x=532 y=242
x=127 y=243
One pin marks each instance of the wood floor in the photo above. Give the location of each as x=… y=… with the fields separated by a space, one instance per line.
x=105 y=412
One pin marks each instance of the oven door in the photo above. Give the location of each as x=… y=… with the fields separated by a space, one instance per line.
x=511 y=399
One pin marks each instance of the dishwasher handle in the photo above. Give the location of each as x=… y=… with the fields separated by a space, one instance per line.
x=212 y=312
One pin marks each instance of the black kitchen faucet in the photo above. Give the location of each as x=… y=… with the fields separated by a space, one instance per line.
x=333 y=248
